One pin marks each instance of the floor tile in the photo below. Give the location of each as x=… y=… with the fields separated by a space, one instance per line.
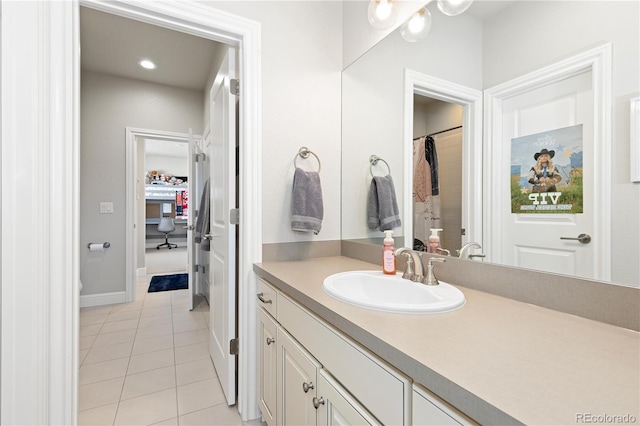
x=106 y=339
x=147 y=409
x=106 y=353
x=191 y=337
x=170 y=422
x=129 y=307
x=154 y=331
x=86 y=341
x=100 y=371
x=151 y=361
x=158 y=319
x=199 y=395
x=152 y=344
x=220 y=414
x=93 y=319
x=154 y=312
x=192 y=352
x=195 y=371
x=111 y=327
x=98 y=394
x=98 y=416
x=152 y=381
x=82 y=354
x=90 y=330
x=123 y=315
x=182 y=326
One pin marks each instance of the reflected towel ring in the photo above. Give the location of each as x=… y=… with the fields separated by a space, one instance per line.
x=304 y=152
x=374 y=161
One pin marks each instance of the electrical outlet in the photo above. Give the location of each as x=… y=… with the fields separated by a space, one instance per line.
x=106 y=207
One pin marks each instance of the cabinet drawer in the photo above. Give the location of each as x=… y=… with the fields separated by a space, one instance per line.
x=379 y=388
x=267 y=297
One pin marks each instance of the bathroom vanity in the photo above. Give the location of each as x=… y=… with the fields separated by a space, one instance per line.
x=492 y=361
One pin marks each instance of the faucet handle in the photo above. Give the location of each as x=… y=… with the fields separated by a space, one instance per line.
x=410 y=271
x=430 y=276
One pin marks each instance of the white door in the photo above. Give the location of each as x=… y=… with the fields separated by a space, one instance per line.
x=222 y=271
x=541 y=240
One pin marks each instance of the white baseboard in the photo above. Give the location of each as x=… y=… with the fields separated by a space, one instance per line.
x=102 y=299
x=141 y=272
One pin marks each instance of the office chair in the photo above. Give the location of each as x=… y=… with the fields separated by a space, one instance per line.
x=166 y=226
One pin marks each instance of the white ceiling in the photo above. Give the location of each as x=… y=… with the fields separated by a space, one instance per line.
x=114 y=45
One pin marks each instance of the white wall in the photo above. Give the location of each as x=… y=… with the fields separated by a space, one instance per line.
x=301 y=96
x=108 y=105
x=515 y=43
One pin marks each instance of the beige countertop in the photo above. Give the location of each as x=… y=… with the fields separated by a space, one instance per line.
x=497 y=360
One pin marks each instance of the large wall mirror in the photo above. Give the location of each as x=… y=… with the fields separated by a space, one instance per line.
x=492 y=43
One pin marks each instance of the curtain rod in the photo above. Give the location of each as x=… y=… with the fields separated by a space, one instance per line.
x=437 y=133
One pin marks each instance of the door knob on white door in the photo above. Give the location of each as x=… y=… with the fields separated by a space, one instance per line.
x=583 y=238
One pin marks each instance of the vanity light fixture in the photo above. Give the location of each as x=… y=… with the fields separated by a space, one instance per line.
x=145 y=63
x=453 y=7
x=418 y=26
x=382 y=14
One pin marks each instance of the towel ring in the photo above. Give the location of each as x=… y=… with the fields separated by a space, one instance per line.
x=304 y=152
x=374 y=161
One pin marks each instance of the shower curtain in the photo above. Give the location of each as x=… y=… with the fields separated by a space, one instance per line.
x=426 y=193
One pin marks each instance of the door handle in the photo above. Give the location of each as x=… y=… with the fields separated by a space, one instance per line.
x=189 y=228
x=209 y=236
x=583 y=238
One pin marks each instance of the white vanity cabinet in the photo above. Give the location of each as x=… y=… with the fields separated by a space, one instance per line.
x=360 y=389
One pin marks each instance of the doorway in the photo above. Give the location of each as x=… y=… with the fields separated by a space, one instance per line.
x=445 y=93
x=205 y=22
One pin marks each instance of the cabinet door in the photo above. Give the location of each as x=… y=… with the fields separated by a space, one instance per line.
x=267 y=365
x=336 y=406
x=297 y=377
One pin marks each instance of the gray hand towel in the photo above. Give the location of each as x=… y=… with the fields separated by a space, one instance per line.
x=306 y=203
x=382 y=207
x=202 y=221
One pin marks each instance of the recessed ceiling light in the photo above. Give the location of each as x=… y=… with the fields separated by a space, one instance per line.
x=145 y=63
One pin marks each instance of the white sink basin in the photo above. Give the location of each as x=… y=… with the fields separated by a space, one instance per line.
x=375 y=290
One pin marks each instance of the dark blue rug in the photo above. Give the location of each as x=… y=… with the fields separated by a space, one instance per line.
x=169 y=282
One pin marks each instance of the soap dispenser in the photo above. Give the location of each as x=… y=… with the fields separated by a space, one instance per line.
x=388 y=258
x=434 y=240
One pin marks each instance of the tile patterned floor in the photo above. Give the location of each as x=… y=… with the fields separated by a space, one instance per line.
x=147 y=362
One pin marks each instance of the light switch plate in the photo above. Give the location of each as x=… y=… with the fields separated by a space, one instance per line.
x=106 y=207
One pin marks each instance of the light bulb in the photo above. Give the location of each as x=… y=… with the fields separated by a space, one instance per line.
x=453 y=7
x=417 y=27
x=381 y=14
x=145 y=63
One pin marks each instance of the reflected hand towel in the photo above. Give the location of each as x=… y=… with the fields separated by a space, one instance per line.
x=307 y=209
x=382 y=207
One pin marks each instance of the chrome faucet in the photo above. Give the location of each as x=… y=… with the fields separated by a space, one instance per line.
x=415 y=270
x=431 y=279
x=463 y=253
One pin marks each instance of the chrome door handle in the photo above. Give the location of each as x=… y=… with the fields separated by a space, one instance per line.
x=209 y=236
x=262 y=299
x=189 y=228
x=583 y=238
x=307 y=386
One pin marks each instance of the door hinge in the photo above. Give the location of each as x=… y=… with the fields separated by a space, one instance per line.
x=195 y=269
x=234 y=86
x=234 y=216
x=233 y=346
x=198 y=157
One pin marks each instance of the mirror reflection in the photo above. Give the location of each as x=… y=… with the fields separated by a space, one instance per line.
x=492 y=43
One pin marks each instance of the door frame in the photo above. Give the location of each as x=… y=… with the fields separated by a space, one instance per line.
x=214 y=24
x=131 y=197
x=597 y=60
x=41 y=137
x=471 y=102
